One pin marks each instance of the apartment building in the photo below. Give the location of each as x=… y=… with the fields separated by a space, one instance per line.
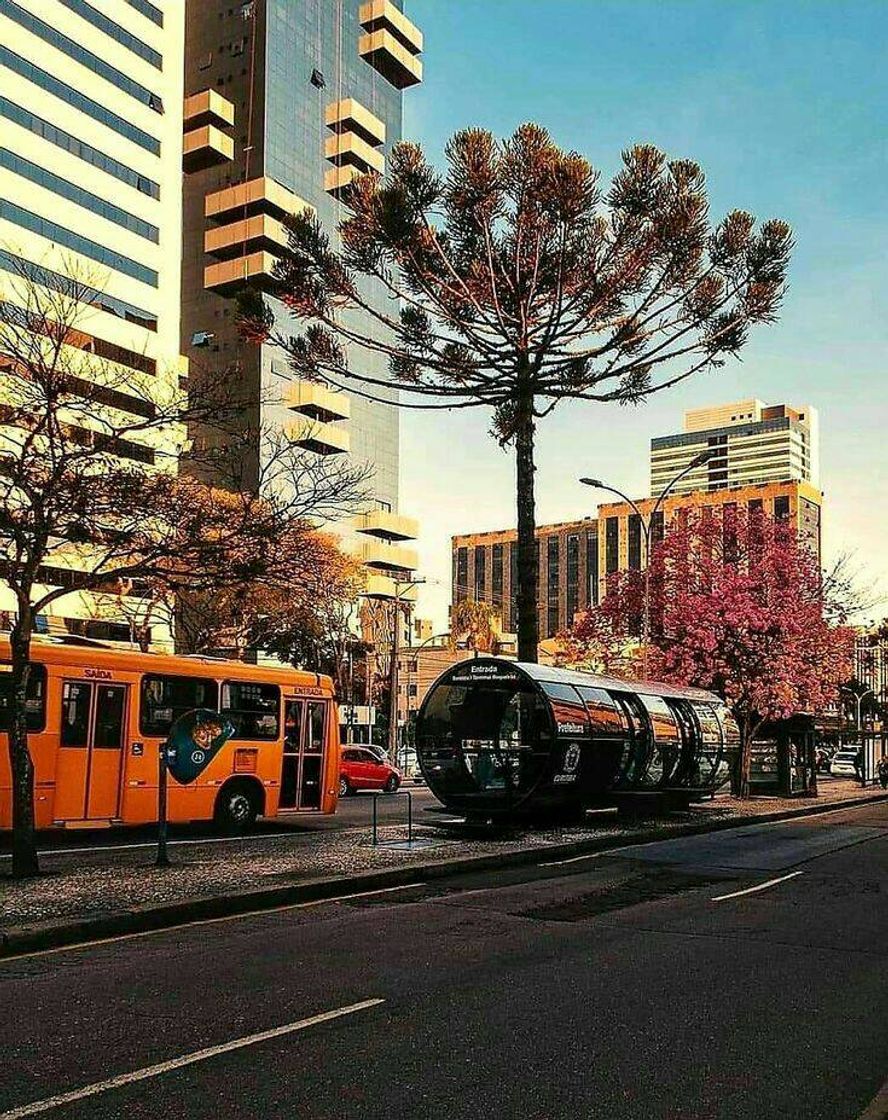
x=485 y=567
x=310 y=95
x=750 y=443
x=91 y=116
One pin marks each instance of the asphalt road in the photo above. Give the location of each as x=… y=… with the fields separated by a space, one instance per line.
x=739 y=974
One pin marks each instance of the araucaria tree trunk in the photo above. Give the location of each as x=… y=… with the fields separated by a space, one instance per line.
x=25 y=862
x=528 y=560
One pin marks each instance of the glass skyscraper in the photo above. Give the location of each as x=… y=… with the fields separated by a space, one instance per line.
x=316 y=89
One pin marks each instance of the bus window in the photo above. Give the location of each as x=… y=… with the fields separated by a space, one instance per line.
x=254 y=709
x=164 y=699
x=35 y=699
x=568 y=709
x=76 y=697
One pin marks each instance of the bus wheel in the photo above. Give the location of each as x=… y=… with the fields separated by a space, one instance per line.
x=344 y=787
x=237 y=807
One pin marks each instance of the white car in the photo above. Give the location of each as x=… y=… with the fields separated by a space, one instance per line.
x=843 y=763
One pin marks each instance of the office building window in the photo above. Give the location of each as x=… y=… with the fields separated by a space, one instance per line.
x=151 y=11
x=89 y=201
x=461 y=590
x=553 y=579
x=496 y=578
x=572 y=595
x=77 y=100
x=611 y=544
x=657 y=528
x=79 y=148
x=781 y=508
x=730 y=539
x=592 y=567
x=78 y=53
x=480 y=573
x=52 y=231
x=114 y=31
x=634 y=541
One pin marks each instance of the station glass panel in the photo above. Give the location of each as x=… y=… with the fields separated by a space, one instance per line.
x=666 y=739
x=486 y=736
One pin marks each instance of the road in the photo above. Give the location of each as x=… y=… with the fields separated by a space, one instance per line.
x=734 y=975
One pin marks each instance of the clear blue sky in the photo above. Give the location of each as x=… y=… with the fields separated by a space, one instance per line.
x=785 y=106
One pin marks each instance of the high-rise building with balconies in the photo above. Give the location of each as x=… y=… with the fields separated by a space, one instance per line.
x=91 y=149
x=316 y=90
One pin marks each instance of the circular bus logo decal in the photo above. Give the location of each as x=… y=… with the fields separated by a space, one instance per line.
x=197 y=757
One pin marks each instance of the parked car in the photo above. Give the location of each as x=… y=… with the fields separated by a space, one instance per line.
x=362 y=768
x=842 y=764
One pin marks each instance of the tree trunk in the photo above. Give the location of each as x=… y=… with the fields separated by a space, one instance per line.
x=24 y=840
x=744 y=761
x=528 y=563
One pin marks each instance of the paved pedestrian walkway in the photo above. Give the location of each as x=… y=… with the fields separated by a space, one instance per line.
x=89 y=884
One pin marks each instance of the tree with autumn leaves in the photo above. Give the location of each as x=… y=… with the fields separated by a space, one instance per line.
x=513 y=281
x=738 y=606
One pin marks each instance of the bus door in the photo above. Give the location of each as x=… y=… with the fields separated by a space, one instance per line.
x=90 y=759
x=304 y=727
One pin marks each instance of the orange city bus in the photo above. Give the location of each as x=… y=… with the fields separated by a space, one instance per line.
x=97 y=716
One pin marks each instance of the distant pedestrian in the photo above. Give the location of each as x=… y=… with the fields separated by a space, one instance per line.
x=858 y=764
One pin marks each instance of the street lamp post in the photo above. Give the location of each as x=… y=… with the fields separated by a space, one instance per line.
x=401 y=585
x=646 y=528
x=858 y=699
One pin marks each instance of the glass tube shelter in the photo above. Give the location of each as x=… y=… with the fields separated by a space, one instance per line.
x=500 y=738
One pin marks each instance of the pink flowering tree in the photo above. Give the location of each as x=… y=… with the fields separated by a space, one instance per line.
x=738 y=606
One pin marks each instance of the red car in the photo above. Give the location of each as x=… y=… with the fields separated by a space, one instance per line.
x=362 y=769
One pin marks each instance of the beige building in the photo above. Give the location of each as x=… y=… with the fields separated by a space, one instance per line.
x=576 y=557
x=90 y=182
x=750 y=443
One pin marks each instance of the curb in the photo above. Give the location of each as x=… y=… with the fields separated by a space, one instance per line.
x=145 y=919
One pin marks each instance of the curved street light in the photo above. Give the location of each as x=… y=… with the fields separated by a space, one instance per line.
x=646 y=526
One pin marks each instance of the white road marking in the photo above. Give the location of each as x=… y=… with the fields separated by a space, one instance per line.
x=599 y=854
x=749 y=890
x=186 y=1060
x=204 y=922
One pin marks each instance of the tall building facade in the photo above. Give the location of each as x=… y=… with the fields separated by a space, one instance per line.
x=750 y=443
x=314 y=95
x=485 y=567
x=91 y=114
x=620 y=527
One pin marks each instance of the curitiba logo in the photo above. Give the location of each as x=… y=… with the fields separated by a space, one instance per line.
x=572 y=758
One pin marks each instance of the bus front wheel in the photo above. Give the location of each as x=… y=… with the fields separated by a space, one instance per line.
x=237 y=807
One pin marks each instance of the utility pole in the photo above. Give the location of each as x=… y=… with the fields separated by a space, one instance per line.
x=406 y=585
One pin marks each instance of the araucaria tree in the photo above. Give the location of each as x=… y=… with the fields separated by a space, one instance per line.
x=515 y=282
x=738 y=606
x=92 y=496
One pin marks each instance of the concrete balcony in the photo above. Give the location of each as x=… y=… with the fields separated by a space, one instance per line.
x=205 y=147
x=323 y=439
x=337 y=179
x=377 y=15
x=246 y=236
x=386 y=525
x=346 y=148
x=317 y=401
x=380 y=586
x=227 y=276
x=349 y=115
x=257 y=196
x=390 y=58
x=376 y=554
x=208 y=107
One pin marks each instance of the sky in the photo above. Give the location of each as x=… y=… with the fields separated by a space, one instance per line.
x=784 y=105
